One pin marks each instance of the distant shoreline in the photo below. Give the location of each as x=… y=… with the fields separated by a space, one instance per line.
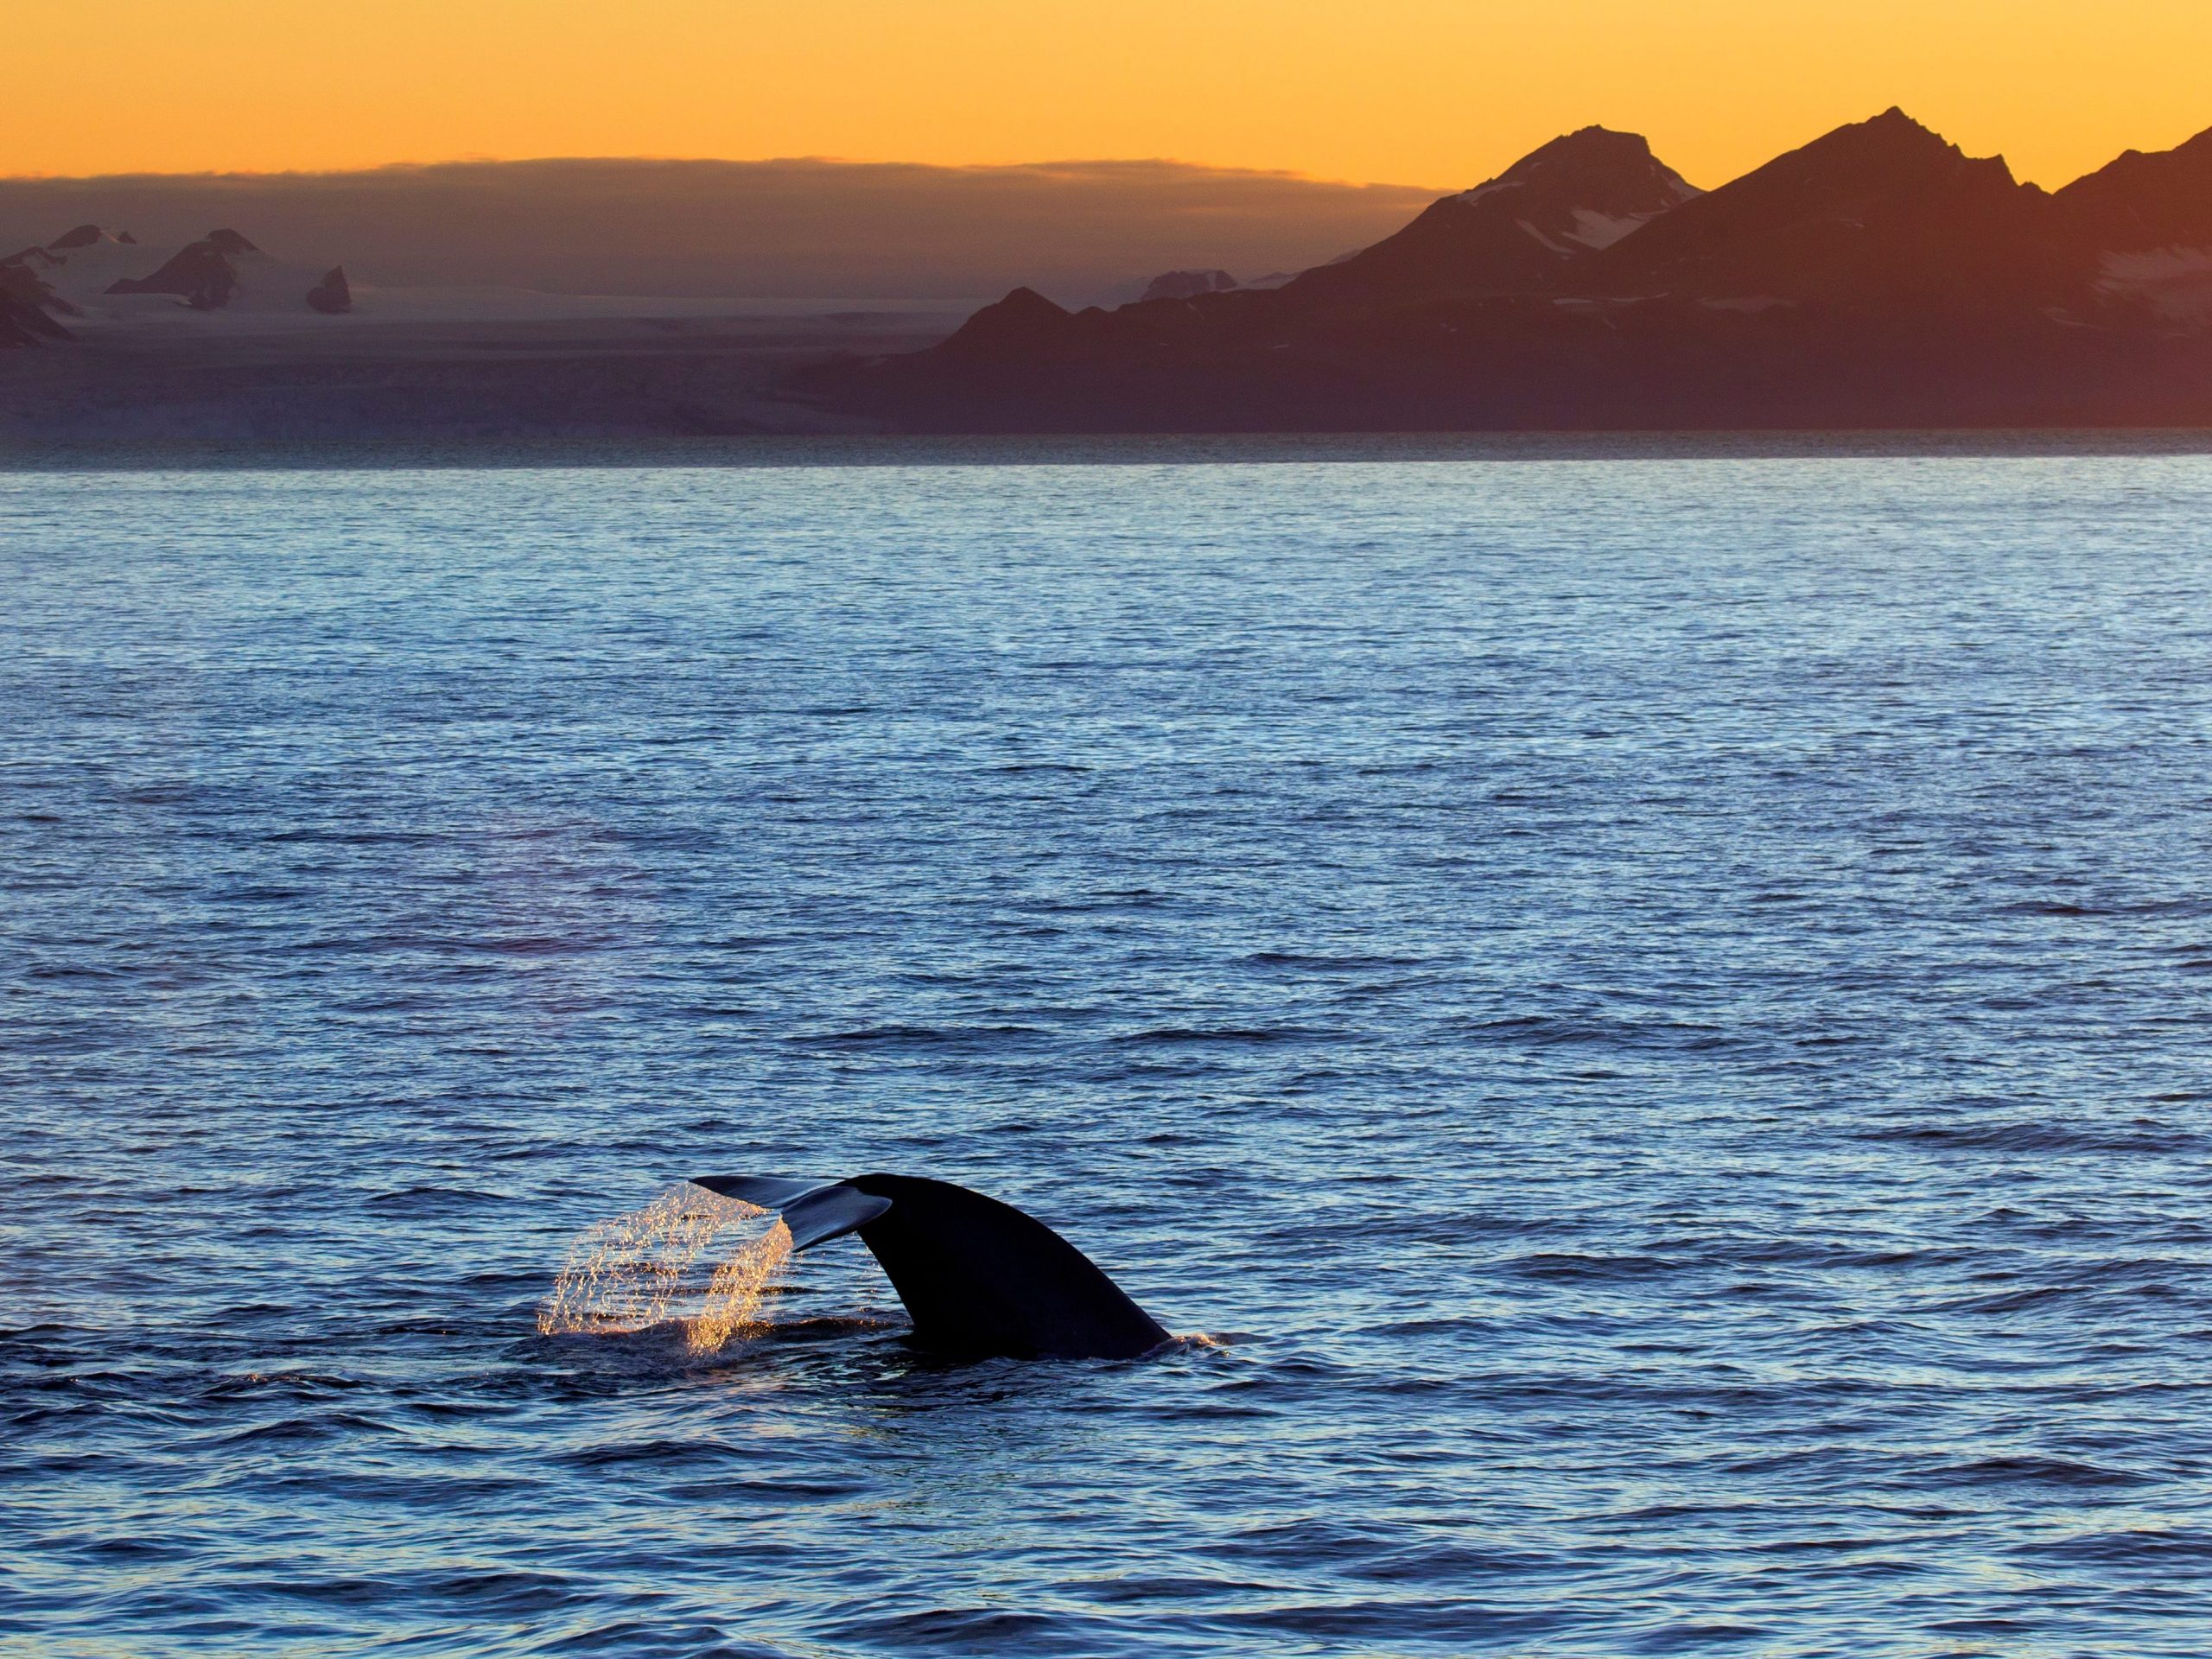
x=902 y=449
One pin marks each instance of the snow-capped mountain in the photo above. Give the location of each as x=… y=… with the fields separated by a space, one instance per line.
x=1875 y=276
x=1523 y=232
x=26 y=309
x=103 y=277
x=77 y=269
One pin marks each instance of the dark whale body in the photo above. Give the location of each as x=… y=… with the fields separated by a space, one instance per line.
x=978 y=1277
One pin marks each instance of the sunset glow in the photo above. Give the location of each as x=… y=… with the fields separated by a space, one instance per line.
x=1439 y=93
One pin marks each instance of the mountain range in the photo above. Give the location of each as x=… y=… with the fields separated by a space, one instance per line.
x=92 y=270
x=1876 y=277
x=847 y=232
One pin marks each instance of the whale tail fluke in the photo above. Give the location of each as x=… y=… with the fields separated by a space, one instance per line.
x=815 y=1212
x=977 y=1276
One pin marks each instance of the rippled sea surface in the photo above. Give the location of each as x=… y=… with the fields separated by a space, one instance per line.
x=1655 y=1009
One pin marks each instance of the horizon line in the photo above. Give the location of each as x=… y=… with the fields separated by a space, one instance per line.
x=1169 y=162
x=368 y=170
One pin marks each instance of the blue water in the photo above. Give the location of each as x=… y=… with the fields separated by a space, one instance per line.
x=1653 y=1008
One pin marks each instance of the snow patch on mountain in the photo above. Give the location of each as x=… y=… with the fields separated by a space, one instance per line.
x=2174 y=283
x=1595 y=230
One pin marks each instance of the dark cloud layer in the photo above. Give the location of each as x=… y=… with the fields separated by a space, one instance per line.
x=759 y=229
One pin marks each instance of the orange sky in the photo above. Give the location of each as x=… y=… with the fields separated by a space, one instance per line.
x=1439 y=92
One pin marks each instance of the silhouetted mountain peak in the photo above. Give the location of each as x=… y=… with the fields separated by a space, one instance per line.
x=1877 y=276
x=1585 y=148
x=1024 y=318
x=1024 y=303
x=25 y=301
x=2139 y=203
x=1892 y=125
x=200 y=274
x=1880 y=211
x=204 y=274
x=22 y=281
x=1587 y=189
x=221 y=271
x=1596 y=169
x=1519 y=232
x=1890 y=147
x=333 y=295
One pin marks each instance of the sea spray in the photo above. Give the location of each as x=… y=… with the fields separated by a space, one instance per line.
x=640 y=1269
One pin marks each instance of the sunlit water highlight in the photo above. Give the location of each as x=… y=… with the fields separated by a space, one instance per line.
x=636 y=1270
x=1657 y=1005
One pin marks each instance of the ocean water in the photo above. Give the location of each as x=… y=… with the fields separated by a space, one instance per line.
x=1651 y=1009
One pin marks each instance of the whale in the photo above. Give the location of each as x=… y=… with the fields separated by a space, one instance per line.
x=979 y=1278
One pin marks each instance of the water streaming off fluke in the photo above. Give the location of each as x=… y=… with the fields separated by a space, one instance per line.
x=642 y=1269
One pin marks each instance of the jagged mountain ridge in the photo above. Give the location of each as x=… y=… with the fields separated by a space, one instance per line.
x=27 y=307
x=2140 y=203
x=1528 y=229
x=1879 y=214
x=93 y=273
x=203 y=274
x=1877 y=276
x=2146 y=223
